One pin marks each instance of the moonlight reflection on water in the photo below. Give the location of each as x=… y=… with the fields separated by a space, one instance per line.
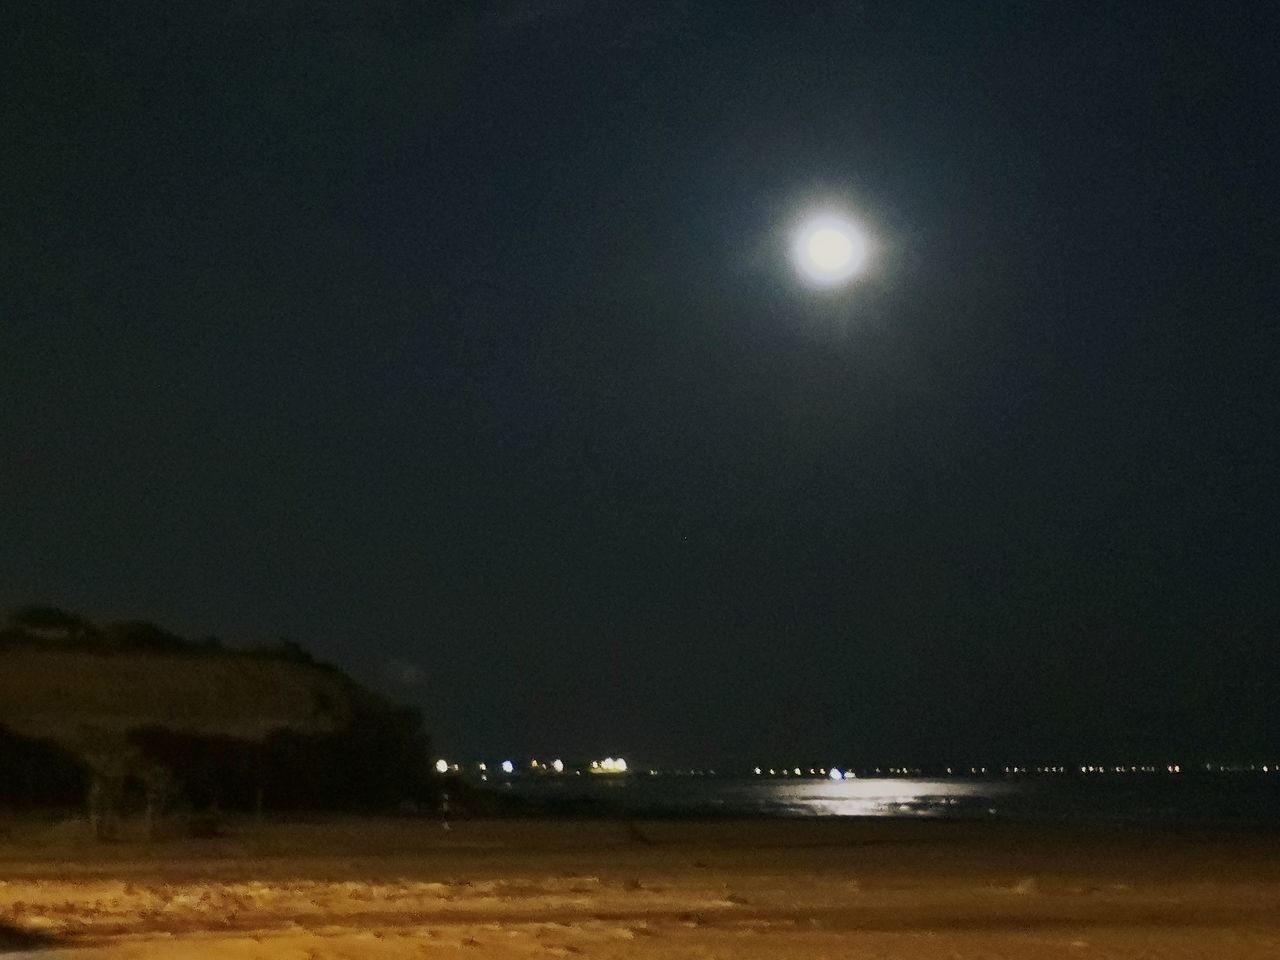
x=872 y=798
x=817 y=797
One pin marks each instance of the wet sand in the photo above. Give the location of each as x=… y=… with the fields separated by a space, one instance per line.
x=392 y=889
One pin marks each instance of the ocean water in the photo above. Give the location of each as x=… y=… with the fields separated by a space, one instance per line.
x=1196 y=798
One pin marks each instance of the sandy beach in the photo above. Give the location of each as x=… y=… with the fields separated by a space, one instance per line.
x=391 y=889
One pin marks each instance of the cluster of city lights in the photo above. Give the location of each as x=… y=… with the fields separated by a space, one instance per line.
x=556 y=766
x=832 y=773
x=618 y=765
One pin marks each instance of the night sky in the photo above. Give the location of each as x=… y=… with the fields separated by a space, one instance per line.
x=461 y=343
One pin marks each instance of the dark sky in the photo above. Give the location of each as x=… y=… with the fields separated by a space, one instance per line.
x=459 y=341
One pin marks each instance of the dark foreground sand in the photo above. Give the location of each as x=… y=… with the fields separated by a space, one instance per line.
x=525 y=889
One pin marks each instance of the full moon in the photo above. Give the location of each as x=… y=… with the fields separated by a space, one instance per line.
x=829 y=250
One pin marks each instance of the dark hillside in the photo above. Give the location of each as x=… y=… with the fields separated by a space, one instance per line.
x=134 y=703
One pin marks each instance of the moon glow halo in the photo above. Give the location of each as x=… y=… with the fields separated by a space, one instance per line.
x=829 y=250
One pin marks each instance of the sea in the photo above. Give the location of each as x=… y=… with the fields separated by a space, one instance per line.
x=1209 y=798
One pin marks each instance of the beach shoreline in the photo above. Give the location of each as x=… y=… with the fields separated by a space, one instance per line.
x=514 y=888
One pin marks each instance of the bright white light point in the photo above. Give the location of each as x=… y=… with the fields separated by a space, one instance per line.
x=829 y=250
x=442 y=766
x=835 y=774
x=557 y=766
x=508 y=766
